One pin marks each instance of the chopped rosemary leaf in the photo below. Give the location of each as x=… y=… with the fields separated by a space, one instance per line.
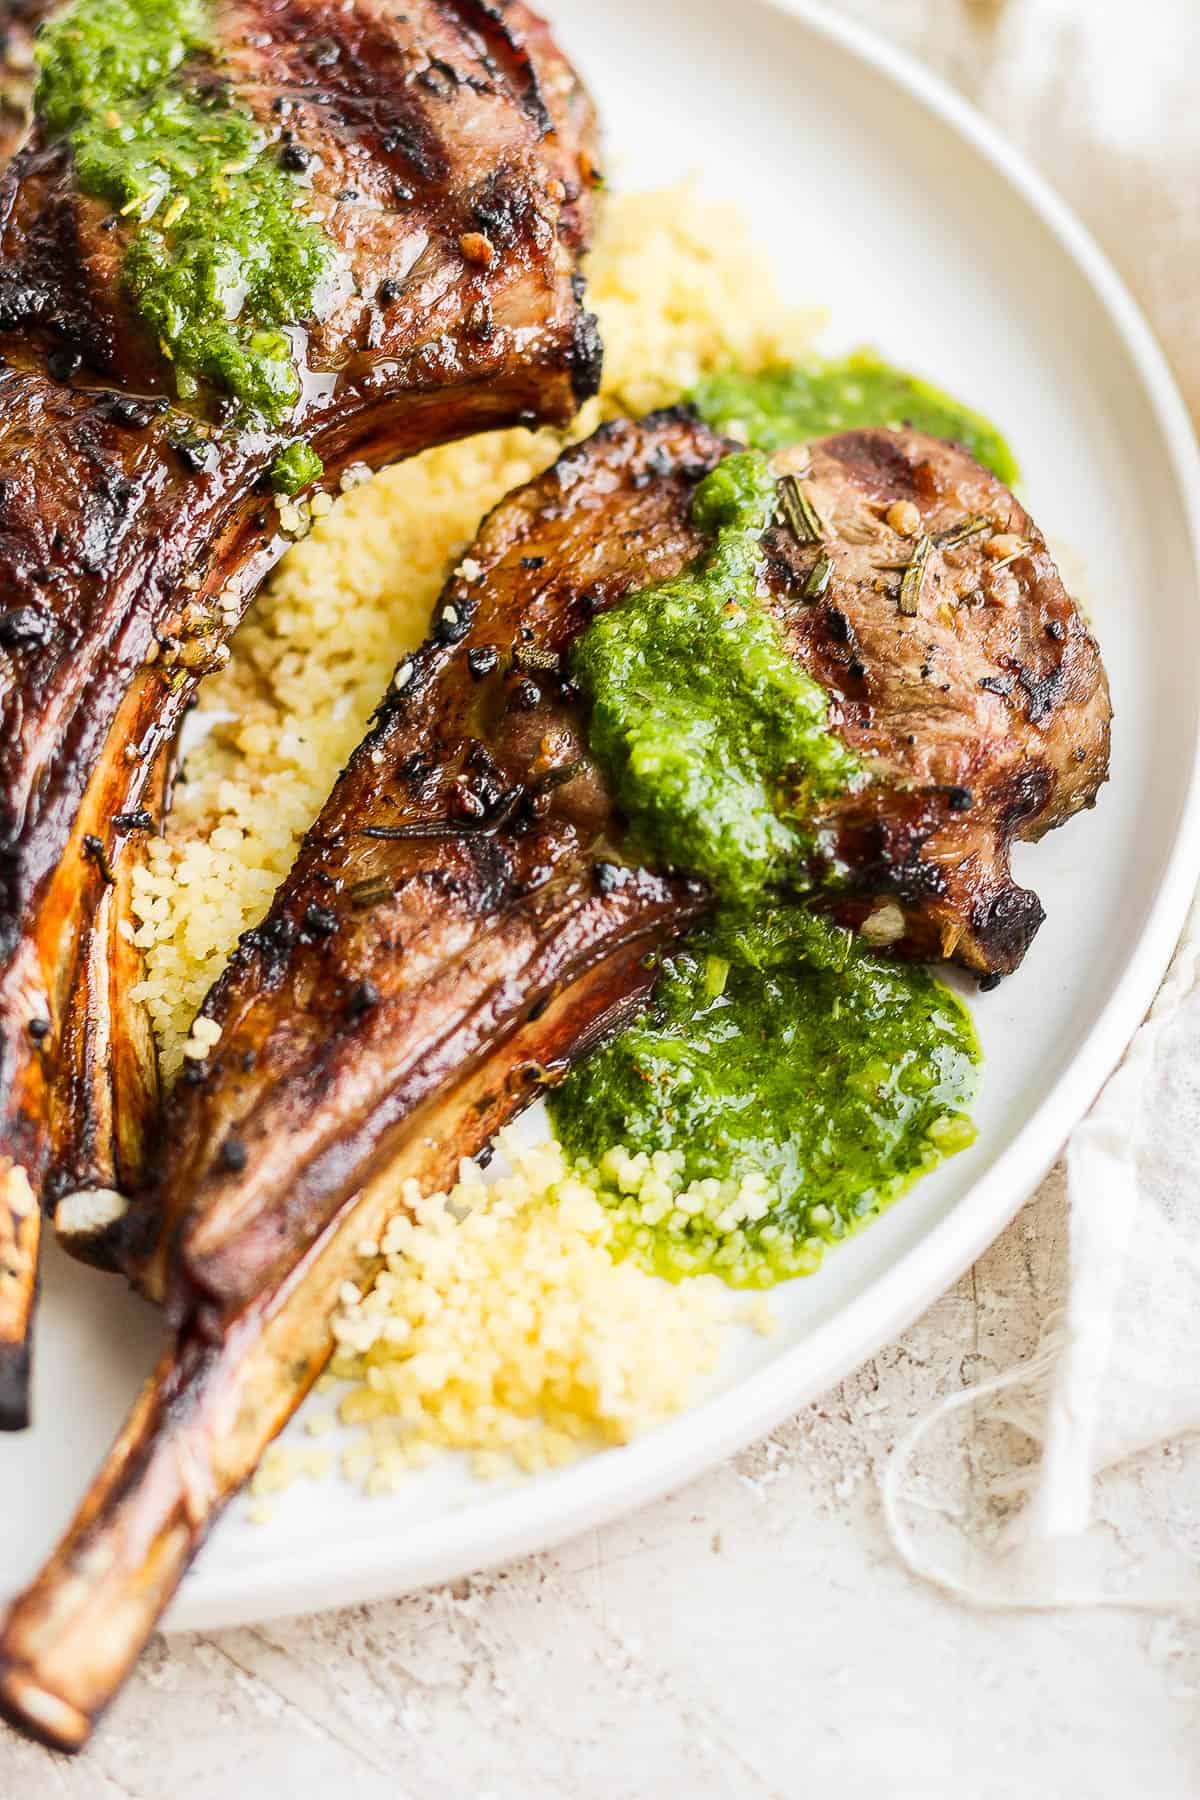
x=369 y=893
x=800 y=512
x=818 y=579
x=914 y=576
x=966 y=528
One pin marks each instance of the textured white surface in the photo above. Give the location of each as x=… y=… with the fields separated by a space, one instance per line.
x=753 y=1636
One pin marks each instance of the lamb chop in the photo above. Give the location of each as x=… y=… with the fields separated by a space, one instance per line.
x=464 y=920
x=446 y=151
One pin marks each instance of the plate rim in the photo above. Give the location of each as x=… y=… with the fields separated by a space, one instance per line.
x=543 y=1514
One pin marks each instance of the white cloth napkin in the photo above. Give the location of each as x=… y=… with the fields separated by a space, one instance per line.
x=1117 y=1374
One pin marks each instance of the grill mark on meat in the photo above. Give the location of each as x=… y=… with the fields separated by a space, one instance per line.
x=366 y=91
x=501 y=48
x=875 y=463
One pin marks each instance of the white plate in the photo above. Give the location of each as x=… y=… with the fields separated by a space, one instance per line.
x=887 y=199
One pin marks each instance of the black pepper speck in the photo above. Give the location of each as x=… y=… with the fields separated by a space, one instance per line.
x=233 y=1155
x=64 y=362
x=319 y=921
x=363 y=996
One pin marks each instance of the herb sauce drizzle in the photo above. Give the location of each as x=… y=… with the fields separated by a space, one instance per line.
x=221 y=259
x=698 y=713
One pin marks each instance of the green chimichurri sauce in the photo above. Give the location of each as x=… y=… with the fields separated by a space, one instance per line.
x=789 y=1085
x=716 y=742
x=799 y=401
x=296 y=466
x=221 y=258
x=786 y=1083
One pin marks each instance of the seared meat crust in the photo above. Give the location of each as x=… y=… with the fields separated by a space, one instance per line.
x=464 y=871
x=451 y=154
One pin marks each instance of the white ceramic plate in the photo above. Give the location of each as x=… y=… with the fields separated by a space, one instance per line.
x=886 y=199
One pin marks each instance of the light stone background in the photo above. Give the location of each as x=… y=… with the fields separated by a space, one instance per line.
x=753 y=1635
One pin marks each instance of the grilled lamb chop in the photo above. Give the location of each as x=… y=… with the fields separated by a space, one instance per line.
x=449 y=150
x=461 y=924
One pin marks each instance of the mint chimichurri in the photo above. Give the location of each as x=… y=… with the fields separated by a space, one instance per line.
x=220 y=258
x=296 y=466
x=797 y=1084
x=698 y=713
x=799 y=401
x=786 y=1083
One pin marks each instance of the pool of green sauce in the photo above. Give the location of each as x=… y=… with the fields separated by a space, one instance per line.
x=775 y=1048
x=786 y=1082
x=221 y=257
